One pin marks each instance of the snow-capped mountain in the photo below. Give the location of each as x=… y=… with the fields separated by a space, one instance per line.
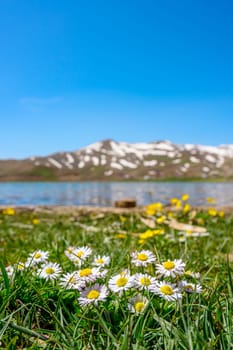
x=111 y=160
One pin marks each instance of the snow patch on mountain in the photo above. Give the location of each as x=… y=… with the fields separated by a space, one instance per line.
x=55 y=163
x=128 y=164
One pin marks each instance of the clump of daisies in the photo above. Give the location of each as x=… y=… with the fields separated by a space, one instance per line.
x=145 y=279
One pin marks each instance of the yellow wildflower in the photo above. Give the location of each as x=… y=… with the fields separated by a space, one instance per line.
x=121 y=235
x=152 y=208
x=221 y=214
x=9 y=211
x=173 y=201
x=146 y=234
x=186 y=208
x=161 y=219
x=150 y=233
x=159 y=231
x=35 y=221
x=141 y=241
x=178 y=204
x=210 y=200
x=185 y=197
x=212 y=212
x=200 y=221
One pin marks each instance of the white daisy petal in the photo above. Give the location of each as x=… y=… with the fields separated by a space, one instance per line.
x=79 y=255
x=93 y=295
x=72 y=281
x=9 y=270
x=144 y=281
x=37 y=257
x=50 y=271
x=101 y=261
x=142 y=258
x=89 y=274
x=190 y=288
x=120 y=282
x=138 y=304
x=171 y=268
x=167 y=291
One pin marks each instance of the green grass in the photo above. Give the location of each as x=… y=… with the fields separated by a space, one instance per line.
x=40 y=314
x=44 y=173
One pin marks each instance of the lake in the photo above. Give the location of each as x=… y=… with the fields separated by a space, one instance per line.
x=105 y=193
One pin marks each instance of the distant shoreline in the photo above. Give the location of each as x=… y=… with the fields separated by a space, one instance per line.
x=228 y=180
x=85 y=209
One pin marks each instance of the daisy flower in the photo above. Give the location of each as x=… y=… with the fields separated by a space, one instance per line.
x=190 y=287
x=9 y=270
x=171 y=268
x=20 y=266
x=101 y=261
x=69 y=252
x=37 y=257
x=93 y=295
x=142 y=258
x=71 y=281
x=80 y=254
x=138 y=304
x=120 y=282
x=167 y=291
x=144 y=281
x=50 y=271
x=89 y=274
x=192 y=274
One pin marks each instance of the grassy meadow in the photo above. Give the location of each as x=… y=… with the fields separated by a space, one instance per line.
x=109 y=281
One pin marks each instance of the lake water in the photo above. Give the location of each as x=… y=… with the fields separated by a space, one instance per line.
x=105 y=193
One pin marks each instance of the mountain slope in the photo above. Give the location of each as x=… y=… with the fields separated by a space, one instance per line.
x=110 y=160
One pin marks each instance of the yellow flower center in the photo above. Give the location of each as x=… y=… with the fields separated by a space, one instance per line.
x=93 y=294
x=139 y=306
x=142 y=257
x=168 y=265
x=49 y=270
x=20 y=266
x=85 y=272
x=145 y=281
x=100 y=261
x=189 y=288
x=70 y=250
x=167 y=290
x=37 y=256
x=79 y=254
x=121 y=282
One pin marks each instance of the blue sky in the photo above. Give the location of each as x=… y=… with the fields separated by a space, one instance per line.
x=76 y=72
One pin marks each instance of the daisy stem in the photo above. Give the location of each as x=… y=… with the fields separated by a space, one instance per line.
x=28 y=331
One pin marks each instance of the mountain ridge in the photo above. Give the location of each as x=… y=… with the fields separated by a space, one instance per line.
x=110 y=160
